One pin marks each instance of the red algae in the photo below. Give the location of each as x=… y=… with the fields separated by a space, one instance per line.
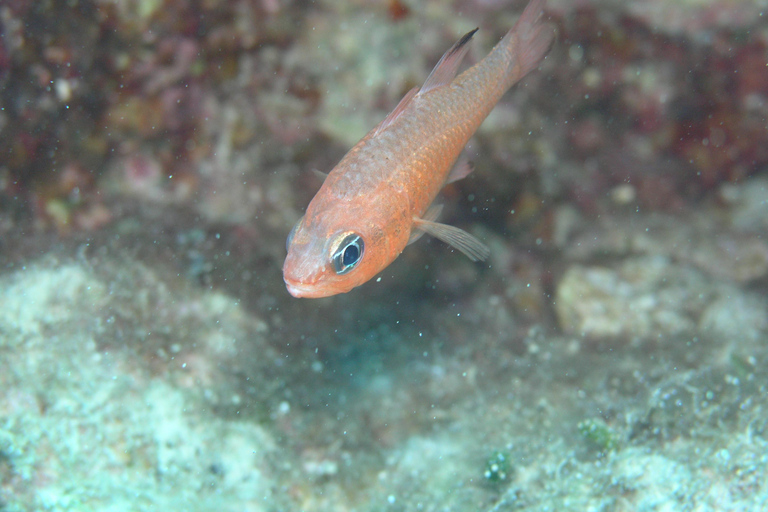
x=148 y=81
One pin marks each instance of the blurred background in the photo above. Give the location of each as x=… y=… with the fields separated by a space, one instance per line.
x=154 y=155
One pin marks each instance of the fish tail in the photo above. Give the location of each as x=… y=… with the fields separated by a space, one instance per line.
x=527 y=42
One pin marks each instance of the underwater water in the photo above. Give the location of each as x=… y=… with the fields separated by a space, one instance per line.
x=610 y=355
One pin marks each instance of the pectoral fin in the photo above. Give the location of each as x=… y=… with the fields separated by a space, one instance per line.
x=431 y=215
x=457 y=238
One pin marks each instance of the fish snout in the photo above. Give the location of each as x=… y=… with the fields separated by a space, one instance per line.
x=293 y=282
x=299 y=282
x=302 y=283
x=306 y=290
x=294 y=288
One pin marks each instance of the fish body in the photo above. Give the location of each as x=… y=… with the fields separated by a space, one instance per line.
x=380 y=196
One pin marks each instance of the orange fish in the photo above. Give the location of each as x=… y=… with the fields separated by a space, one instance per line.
x=379 y=198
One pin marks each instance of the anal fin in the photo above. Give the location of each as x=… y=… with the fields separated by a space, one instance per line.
x=461 y=170
x=320 y=175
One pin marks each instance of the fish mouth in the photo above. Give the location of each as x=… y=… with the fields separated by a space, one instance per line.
x=303 y=290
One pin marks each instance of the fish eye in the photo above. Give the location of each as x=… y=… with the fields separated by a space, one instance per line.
x=293 y=232
x=348 y=254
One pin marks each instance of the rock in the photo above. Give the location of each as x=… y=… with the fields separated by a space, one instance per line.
x=643 y=297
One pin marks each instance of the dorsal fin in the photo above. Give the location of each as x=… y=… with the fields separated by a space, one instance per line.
x=397 y=111
x=449 y=63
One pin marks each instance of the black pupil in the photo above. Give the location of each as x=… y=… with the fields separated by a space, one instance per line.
x=348 y=255
x=351 y=254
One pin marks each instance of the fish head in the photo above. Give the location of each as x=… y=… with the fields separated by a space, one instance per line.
x=335 y=252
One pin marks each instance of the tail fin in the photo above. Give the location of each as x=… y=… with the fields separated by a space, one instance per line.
x=528 y=41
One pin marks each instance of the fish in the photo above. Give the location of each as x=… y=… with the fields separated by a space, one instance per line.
x=381 y=196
